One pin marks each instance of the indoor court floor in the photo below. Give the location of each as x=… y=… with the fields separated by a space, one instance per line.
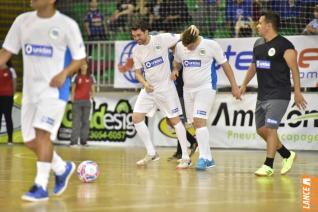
x=122 y=186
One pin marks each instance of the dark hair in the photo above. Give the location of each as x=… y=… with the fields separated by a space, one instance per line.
x=273 y=18
x=188 y=38
x=316 y=8
x=139 y=24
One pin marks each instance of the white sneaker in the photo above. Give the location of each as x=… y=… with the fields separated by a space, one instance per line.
x=147 y=159
x=184 y=164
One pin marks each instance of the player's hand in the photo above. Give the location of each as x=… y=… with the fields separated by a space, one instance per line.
x=300 y=101
x=236 y=92
x=148 y=87
x=58 y=80
x=194 y=30
x=174 y=75
x=242 y=89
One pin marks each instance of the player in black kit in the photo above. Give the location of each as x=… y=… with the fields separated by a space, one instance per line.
x=273 y=58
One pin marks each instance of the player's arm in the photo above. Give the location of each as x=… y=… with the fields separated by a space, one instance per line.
x=248 y=77
x=141 y=79
x=291 y=60
x=60 y=78
x=230 y=75
x=5 y=56
x=73 y=91
x=175 y=70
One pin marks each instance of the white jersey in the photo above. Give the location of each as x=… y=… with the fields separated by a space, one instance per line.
x=153 y=58
x=199 y=71
x=48 y=46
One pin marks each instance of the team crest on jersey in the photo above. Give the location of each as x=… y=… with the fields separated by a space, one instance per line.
x=54 y=33
x=271 y=52
x=157 y=47
x=202 y=52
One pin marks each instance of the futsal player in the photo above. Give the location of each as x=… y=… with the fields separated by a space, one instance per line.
x=52 y=48
x=151 y=55
x=195 y=55
x=273 y=58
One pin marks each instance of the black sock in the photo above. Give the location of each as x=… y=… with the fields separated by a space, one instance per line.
x=179 y=150
x=191 y=138
x=269 y=162
x=285 y=153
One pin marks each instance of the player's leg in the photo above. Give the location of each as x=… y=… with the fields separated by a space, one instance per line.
x=170 y=106
x=191 y=139
x=38 y=191
x=178 y=154
x=268 y=117
x=275 y=112
x=49 y=117
x=260 y=114
x=203 y=102
x=143 y=105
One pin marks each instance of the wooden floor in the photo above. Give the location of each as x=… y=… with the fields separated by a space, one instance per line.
x=230 y=186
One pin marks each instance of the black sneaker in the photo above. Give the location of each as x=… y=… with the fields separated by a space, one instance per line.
x=175 y=156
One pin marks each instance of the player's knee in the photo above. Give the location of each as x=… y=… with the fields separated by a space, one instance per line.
x=198 y=123
x=137 y=118
x=31 y=145
x=42 y=135
x=261 y=132
x=174 y=121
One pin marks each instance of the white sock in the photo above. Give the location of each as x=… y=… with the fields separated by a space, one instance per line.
x=203 y=138
x=182 y=137
x=43 y=173
x=144 y=135
x=58 y=164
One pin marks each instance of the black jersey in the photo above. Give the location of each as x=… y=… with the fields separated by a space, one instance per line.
x=273 y=73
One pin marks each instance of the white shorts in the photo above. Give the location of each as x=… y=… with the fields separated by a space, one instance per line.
x=198 y=103
x=167 y=102
x=47 y=114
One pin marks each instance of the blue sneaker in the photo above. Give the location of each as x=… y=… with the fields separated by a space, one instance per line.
x=61 y=181
x=203 y=164
x=35 y=194
x=210 y=163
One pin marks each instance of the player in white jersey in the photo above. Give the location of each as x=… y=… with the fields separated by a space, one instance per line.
x=151 y=55
x=53 y=49
x=197 y=56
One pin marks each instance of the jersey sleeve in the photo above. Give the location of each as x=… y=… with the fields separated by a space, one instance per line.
x=137 y=62
x=75 y=41
x=170 y=39
x=218 y=53
x=288 y=45
x=177 y=56
x=13 y=73
x=12 y=42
